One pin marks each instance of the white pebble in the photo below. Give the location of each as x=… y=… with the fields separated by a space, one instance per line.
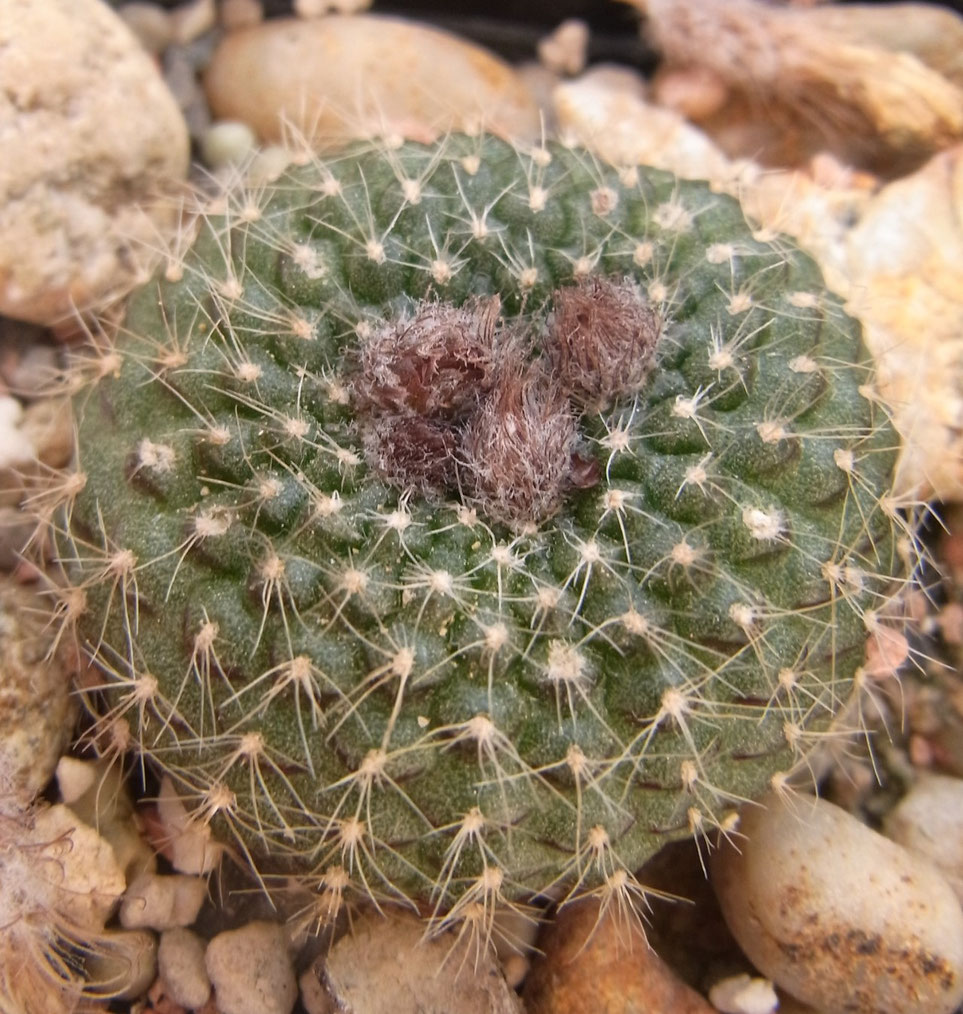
x=190 y=21
x=251 y=970
x=929 y=822
x=566 y=49
x=15 y=448
x=150 y=23
x=268 y=164
x=162 y=902
x=744 y=994
x=180 y=965
x=837 y=915
x=227 y=143
x=192 y=848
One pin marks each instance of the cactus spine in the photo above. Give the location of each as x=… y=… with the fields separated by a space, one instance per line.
x=454 y=522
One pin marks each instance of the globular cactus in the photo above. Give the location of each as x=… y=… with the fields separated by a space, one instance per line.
x=457 y=522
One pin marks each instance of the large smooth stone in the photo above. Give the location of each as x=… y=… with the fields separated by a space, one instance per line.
x=336 y=78
x=90 y=135
x=838 y=915
x=928 y=820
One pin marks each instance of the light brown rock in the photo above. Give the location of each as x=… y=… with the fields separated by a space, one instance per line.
x=251 y=970
x=36 y=706
x=89 y=135
x=928 y=820
x=387 y=966
x=180 y=964
x=838 y=915
x=338 y=77
x=162 y=902
x=593 y=965
x=902 y=268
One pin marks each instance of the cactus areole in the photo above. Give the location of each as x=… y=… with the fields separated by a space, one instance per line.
x=460 y=521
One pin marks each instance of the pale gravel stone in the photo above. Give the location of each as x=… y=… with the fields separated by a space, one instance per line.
x=838 y=915
x=385 y=965
x=155 y=901
x=37 y=709
x=251 y=970
x=236 y=14
x=150 y=23
x=82 y=162
x=180 y=965
x=227 y=143
x=190 y=21
x=15 y=448
x=928 y=820
x=744 y=994
x=565 y=51
x=63 y=869
x=333 y=78
x=75 y=778
x=190 y=845
x=269 y=163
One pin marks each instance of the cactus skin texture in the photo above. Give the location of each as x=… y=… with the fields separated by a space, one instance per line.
x=395 y=692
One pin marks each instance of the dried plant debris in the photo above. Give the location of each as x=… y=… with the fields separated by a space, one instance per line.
x=804 y=79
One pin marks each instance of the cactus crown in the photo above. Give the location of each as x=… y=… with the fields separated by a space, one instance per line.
x=458 y=521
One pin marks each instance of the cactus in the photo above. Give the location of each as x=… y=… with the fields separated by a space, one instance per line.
x=455 y=523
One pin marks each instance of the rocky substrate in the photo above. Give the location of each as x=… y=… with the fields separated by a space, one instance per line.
x=850 y=902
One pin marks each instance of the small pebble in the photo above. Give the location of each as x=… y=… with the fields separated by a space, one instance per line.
x=928 y=820
x=150 y=23
x=180 y=964
x=385 y=965
x=227 y=143
x=566 y=49
x=601 y=965
x=251 y=971
x=187 y=844
x=838 y=915
x=236 y=14
x=162 y=902
x=192 y=20
x=15 y=448
x=744 y=994
x=269 y=163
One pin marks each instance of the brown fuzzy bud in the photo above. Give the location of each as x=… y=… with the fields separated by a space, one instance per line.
x=435 y=365
x=601 y=341
x=517 y=450
x=411 y=451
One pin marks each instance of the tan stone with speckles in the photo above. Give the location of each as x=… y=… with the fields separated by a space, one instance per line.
x=838 y=915
x=90 y=135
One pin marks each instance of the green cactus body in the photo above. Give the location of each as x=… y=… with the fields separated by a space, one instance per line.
x=396 y=689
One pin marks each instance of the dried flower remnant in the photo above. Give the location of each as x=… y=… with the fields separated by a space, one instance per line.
x=413 y=451
x=518 y=450
x=603 y=335
x=433 y=365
